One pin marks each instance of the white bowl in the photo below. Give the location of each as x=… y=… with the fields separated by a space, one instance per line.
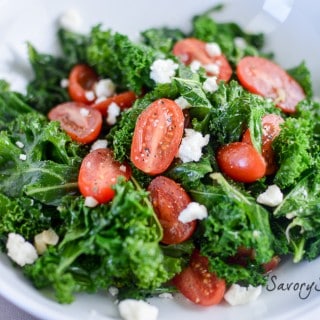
x=293 y=33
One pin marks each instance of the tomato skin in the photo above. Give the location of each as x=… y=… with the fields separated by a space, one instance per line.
x=272 y=264
x=169 y=199
x=99 y=172
x=157 y=136
x=192 y=49
x=241 y=162
x=80 y=122
x=263 y=77
x=82 y=78
x=271 y=129
x=124 y=100
x=198 y=284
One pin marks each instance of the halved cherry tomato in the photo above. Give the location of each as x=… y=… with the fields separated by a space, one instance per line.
x=99 y=173
x=169 y=199
x=82 y=79
x=198 y=284
x=192 y=49
x=271 y=129
x=264 y=77
x=241 y=162
x=157 y=136
x=124 y=100
x=272 y=264
x=80 y=122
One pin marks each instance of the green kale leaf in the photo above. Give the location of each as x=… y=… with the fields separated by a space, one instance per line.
x=116 y=244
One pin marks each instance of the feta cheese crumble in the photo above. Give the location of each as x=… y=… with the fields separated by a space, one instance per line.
x=104 y=88
x=23 y=157
x=20 y=251
x=19 y=144
x=71 y=20
x=182 y=103
x=113 y=113
x=237 y=294
x=213 y=49
x=195 y=65
x=210 y=84
x=90 y=202
x=64 y=83
x=272 y=197
x=162 y=70
x=191 y=145
x=99 y=144
x=193 y=211
x=131 y=309
x=45 y=238
x=90 y=95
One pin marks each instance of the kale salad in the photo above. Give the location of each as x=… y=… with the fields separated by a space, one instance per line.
x=185 y=162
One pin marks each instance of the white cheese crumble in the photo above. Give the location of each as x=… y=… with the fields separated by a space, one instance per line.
x=23 y=157
x=84 y=112
x=90 y=202
x=240 y=42
x=19 y=144
x=213 y=49
x=210 y=84
x=195 y=65
x=71 y=20
x=131 y=309
x=191 y=145
x=113 y=113
x=99 y=144
x=193 y=211
x=45 y=238
x=212 y=68
x=90 y=95
x=165 y=295
x=237 y=294
x=162 y=70
x=182 y=103
x=113 y=291
x=104 y=88
x=64 y=83
x=20 y=251
x=272 y=197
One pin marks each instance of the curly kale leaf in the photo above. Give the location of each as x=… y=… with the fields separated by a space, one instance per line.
x=37 y=159
x=44 y=91
x=226 y=34
x=116 y=244
x=234 y=221
x=293 y=149
x=301 y=208
x=126 y=63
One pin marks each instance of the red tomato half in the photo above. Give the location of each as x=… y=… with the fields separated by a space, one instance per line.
x=157 y=136
x=99 y=172
x=80 y=122
x=169 y=199
x=192 y=49
x=198 y=284
x=241 y=162
x=124 y=100
x=271 y=129
x=264 y=77
x=81 y=80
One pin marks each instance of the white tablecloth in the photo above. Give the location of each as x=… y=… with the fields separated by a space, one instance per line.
x=10 y=312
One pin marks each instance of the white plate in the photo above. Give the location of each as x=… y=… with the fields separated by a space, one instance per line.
x=293 y=33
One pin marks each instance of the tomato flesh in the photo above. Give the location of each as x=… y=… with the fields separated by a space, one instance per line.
x=82 y=79
x=192 y=49
x=169 y=199
x=157 y=136
x=271 y=129
x=99 y=173
x=124 y=100
x=241 y=162
x=80 y=122
x=263 y=77
x=198 y=284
